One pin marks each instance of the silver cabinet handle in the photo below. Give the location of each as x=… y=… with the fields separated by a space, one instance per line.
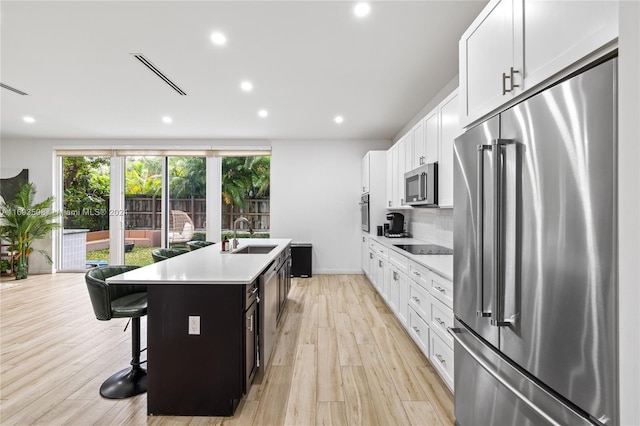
x=250 y=320
x=380 y=263
x=440 y=289
x=509 y=77
x=416 y=273
x=442 y=360
x=370 y=255
x=512 y=72
x=439 y=321
x=416 y=329
x=416 y=299
x=395 y=276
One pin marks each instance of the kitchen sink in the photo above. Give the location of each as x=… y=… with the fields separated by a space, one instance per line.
x=250 y=249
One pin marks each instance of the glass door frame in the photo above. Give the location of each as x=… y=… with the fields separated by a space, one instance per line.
x=117 y=199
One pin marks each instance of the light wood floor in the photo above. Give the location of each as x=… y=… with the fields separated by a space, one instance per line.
x=342 y=358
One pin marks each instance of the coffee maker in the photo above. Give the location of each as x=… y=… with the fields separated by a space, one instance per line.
x=395 y=229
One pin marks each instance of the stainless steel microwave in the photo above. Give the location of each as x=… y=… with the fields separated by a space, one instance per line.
x=421 y=186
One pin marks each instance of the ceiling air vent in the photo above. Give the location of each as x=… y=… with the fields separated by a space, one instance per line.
x=147 y=63
x=13 y=89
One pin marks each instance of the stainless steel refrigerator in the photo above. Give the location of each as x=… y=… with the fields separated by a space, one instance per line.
x=535 y=260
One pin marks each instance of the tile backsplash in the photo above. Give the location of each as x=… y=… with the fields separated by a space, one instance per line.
x=431 y=225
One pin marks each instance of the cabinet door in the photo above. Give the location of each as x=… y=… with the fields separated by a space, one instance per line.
x=403 y=299
x=449 y=130
x=364 y=248
x=381 y=277
x=251 y=345
x=373 y=268
x=559 y=33
x=401 y=171
x=365 y=174
x=388 y=202
x=431 y=136
x=419 y=145
x=489 y=49
x=393 y=290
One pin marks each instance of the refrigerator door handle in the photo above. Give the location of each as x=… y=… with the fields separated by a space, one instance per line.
x=497 y=264
x=454 y=331
x=480 y=312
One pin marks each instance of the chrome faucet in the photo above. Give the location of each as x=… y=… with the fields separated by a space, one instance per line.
x=234 y=241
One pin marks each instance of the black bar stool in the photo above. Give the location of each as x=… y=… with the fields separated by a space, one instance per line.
x=120 y=301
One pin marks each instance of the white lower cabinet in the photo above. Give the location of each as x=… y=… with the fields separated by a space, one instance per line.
x=364 y=253
x=419 y=330
x=441 y=356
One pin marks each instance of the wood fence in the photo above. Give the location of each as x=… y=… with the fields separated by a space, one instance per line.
x=144 y=212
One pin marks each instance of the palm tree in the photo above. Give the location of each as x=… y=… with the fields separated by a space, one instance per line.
x=24 y=222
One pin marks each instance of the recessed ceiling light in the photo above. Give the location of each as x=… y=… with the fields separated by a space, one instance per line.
x=263 y=113
x=247 y=86
x=361 y=10
x=218 y=39
x=338 y=119
x=166 y=119
x=28 y=119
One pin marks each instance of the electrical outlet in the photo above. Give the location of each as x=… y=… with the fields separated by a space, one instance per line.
x=194 y=325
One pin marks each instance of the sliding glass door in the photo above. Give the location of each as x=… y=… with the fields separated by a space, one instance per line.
x=84 y=237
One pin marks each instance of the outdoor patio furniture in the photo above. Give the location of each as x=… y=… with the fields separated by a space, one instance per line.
x=181 y=227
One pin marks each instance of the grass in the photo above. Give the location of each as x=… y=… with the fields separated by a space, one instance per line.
x=140 y=256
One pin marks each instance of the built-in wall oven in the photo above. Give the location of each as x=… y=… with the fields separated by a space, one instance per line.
x=364 y=211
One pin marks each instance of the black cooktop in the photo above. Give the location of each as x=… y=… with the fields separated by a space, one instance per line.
x=424 y=248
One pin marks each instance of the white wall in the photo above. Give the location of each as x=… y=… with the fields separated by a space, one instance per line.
x=629 y=212
x=315 y=191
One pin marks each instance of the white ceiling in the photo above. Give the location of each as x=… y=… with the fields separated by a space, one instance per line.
x=308 y=60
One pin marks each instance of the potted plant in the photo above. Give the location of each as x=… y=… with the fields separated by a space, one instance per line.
x=23 y=223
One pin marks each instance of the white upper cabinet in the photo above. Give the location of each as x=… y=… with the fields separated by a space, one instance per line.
x=419 y=145
x=365 y=173
x=449 y=130
x=431 y=140
x=431 y=126
x=389 y=177
x=491 y=59
x=560 y=33
x=515 y=45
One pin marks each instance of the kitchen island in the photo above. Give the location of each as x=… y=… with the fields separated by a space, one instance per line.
x=203 y=325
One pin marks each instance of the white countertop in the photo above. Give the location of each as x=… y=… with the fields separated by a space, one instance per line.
x=207 y=265
x=442 y=264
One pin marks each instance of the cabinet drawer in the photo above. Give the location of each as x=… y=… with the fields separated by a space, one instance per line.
x=419 y=300
x=399 y=261
x=441 y=357
x=442 y=289
x=419 y=274
x=380 y=250
x=441 y=318
x=419 y=330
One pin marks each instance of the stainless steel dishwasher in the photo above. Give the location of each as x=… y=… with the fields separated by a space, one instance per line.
x=268 y=314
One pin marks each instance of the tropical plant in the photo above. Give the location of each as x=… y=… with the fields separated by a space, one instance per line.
x=187 y=176
x=244 y=177
x=144 y=176
x=24 y=222
x=86 y=190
